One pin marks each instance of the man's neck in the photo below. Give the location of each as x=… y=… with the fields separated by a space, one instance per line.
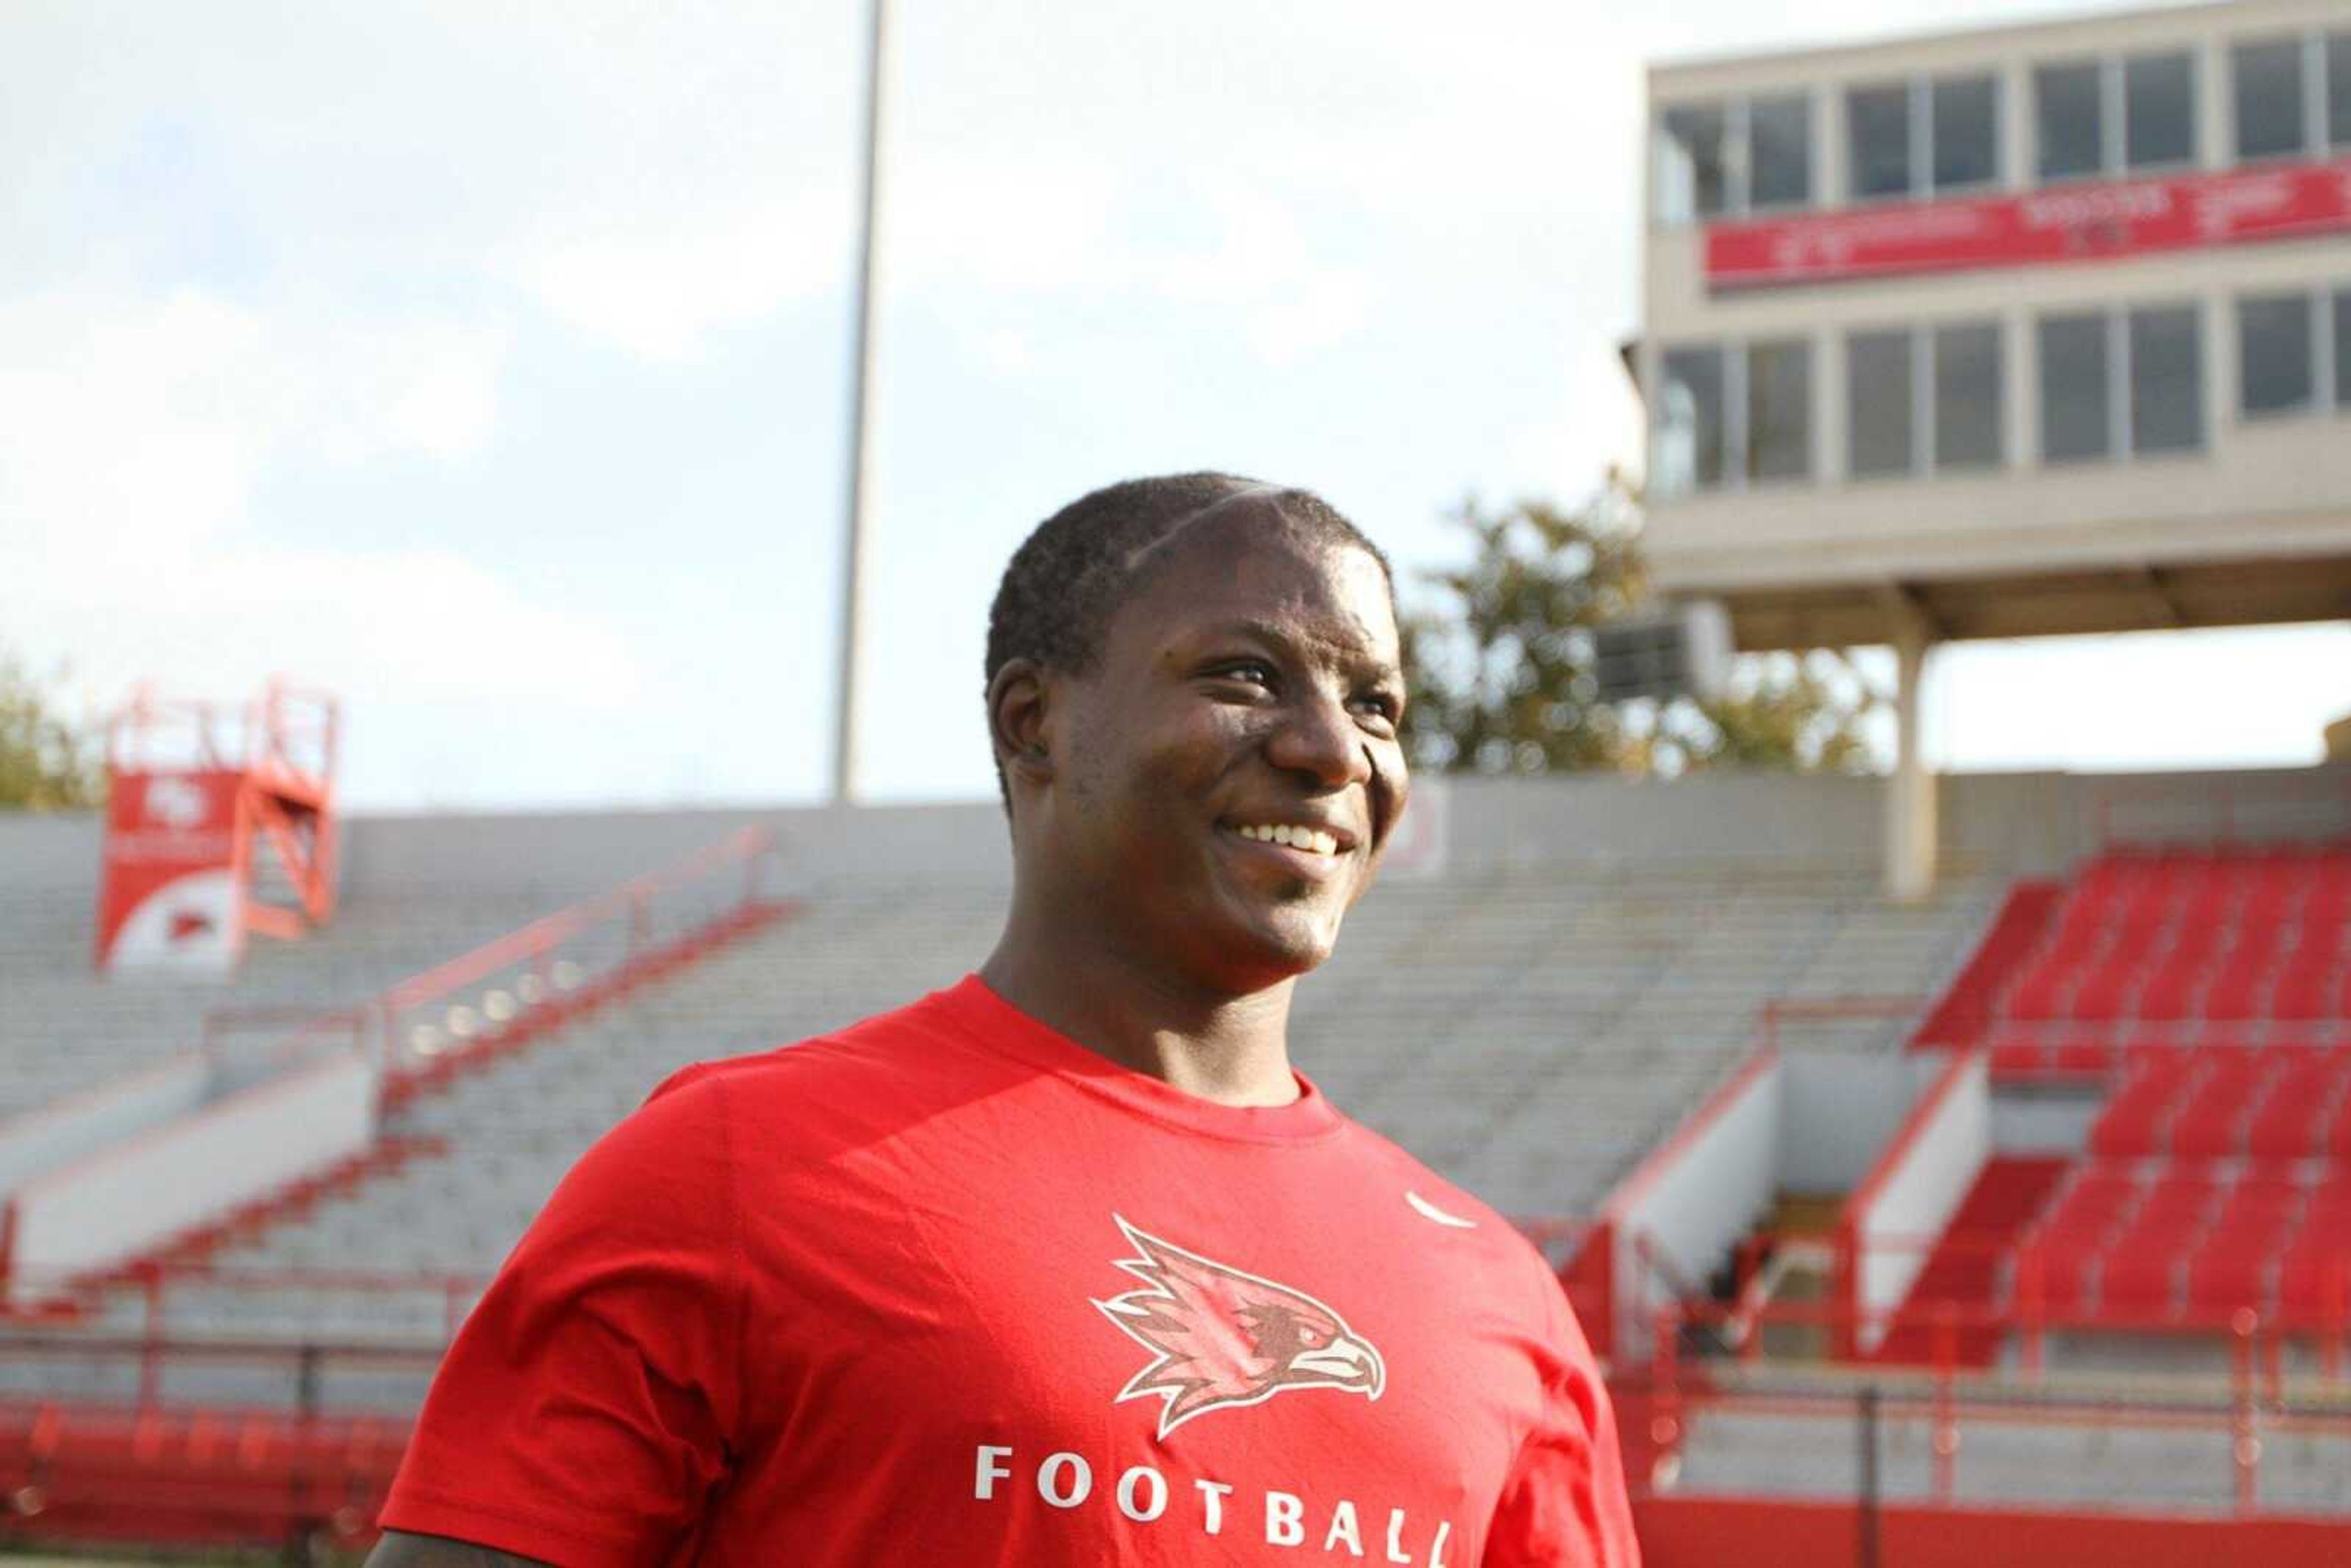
x=1232 y=1049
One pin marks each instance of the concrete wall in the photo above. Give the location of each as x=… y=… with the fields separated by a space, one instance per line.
x=115 y=1202
x=1692 y=1199
x=1918 y=1184
x=2045 y=1121
x=67 y=1129
x=1838 y=1110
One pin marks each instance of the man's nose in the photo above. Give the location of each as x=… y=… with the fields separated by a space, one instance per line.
x=1317 y=735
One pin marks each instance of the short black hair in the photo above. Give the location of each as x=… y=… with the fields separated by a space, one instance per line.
x=1072 y=572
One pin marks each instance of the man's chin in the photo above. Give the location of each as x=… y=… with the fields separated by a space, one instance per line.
x=1282 y=947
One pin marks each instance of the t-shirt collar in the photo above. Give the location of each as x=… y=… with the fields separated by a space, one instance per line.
x=993 y=1022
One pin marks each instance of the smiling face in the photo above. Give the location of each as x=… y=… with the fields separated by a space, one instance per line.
x=1225 y=774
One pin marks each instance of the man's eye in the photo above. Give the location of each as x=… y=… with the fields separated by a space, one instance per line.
x=1254 y=672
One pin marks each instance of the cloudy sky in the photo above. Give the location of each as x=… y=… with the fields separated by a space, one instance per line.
x=486 y=364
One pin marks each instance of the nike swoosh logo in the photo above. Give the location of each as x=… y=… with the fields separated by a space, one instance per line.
x=1429 y=1211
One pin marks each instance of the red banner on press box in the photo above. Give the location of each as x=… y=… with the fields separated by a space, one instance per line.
x=2077 y=223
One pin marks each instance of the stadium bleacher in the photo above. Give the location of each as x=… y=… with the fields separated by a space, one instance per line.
x=1528 y=1076
x=2205 y=995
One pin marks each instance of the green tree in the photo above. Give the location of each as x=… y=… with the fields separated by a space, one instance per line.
x=47 y=763
x=1501 y=665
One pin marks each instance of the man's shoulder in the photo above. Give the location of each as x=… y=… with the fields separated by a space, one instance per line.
x=888 y=1057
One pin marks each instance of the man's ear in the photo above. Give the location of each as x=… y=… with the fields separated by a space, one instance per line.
x=1019 y=704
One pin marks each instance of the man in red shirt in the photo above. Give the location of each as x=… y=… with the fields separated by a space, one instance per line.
x=1064 y=1265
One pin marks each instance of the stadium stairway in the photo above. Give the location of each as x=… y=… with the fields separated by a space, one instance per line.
x=1967 y=1268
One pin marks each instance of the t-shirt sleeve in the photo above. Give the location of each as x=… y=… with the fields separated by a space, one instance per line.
x=1564 y=1504
x=584 y=1413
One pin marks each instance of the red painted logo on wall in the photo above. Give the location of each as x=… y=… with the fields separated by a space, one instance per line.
x=169 y=898
x=2074 y=223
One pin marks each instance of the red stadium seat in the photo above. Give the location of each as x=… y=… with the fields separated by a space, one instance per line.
x=2314 y=1284
x=2291 y=1122
x=2105 y=991
x=2183 y=1197
x=2041 y=993
x=2330 y=893
x=2304 y=990
x=2131 y=1123
x=2173 y=990
x=2018 y=1057
x=2240 y=989
x=2063 y=1264
x=2276 y=896
x=2221 y=1277
x=2141 y=1276
x=2088 y=1056
x=2215 y=892
x=2094 y=1203
x=2259 y=1198
x=2211 y=1123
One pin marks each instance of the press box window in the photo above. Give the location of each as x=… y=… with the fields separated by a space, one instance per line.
x=1923 y=400
x=2076 y=388
x=2167 y=381
x=2068 y=121
x=1779 y=152
x=1693 y=165
x=1966 y=395
x=1719 y=159
x=2276 y=364
x=1878 y=383
x=2266 y=83
x=1910 y=139
x=1691 y=439
x=1728 y=416
x=2339 y=306
x=2158 y=111
x=1780 y=409
x=1878 y=141
x=2339 y=90
x=2125 y=383
x=1965 y=124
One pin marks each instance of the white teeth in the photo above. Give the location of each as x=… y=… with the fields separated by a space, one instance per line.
x=1310 y=839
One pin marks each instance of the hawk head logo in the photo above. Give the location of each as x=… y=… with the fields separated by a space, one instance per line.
x=1219 y=1337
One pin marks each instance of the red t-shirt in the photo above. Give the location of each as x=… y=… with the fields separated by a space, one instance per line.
x=949 y=1288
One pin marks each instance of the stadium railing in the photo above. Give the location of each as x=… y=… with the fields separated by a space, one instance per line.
x=485 y=1002
x=2256 y=1395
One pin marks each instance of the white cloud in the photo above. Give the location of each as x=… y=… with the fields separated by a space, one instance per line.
x=666 y=285
x=139 y=427
x=139 y=432
x=416 y=627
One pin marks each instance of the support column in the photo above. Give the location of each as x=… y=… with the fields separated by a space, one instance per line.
x=1910 y=824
